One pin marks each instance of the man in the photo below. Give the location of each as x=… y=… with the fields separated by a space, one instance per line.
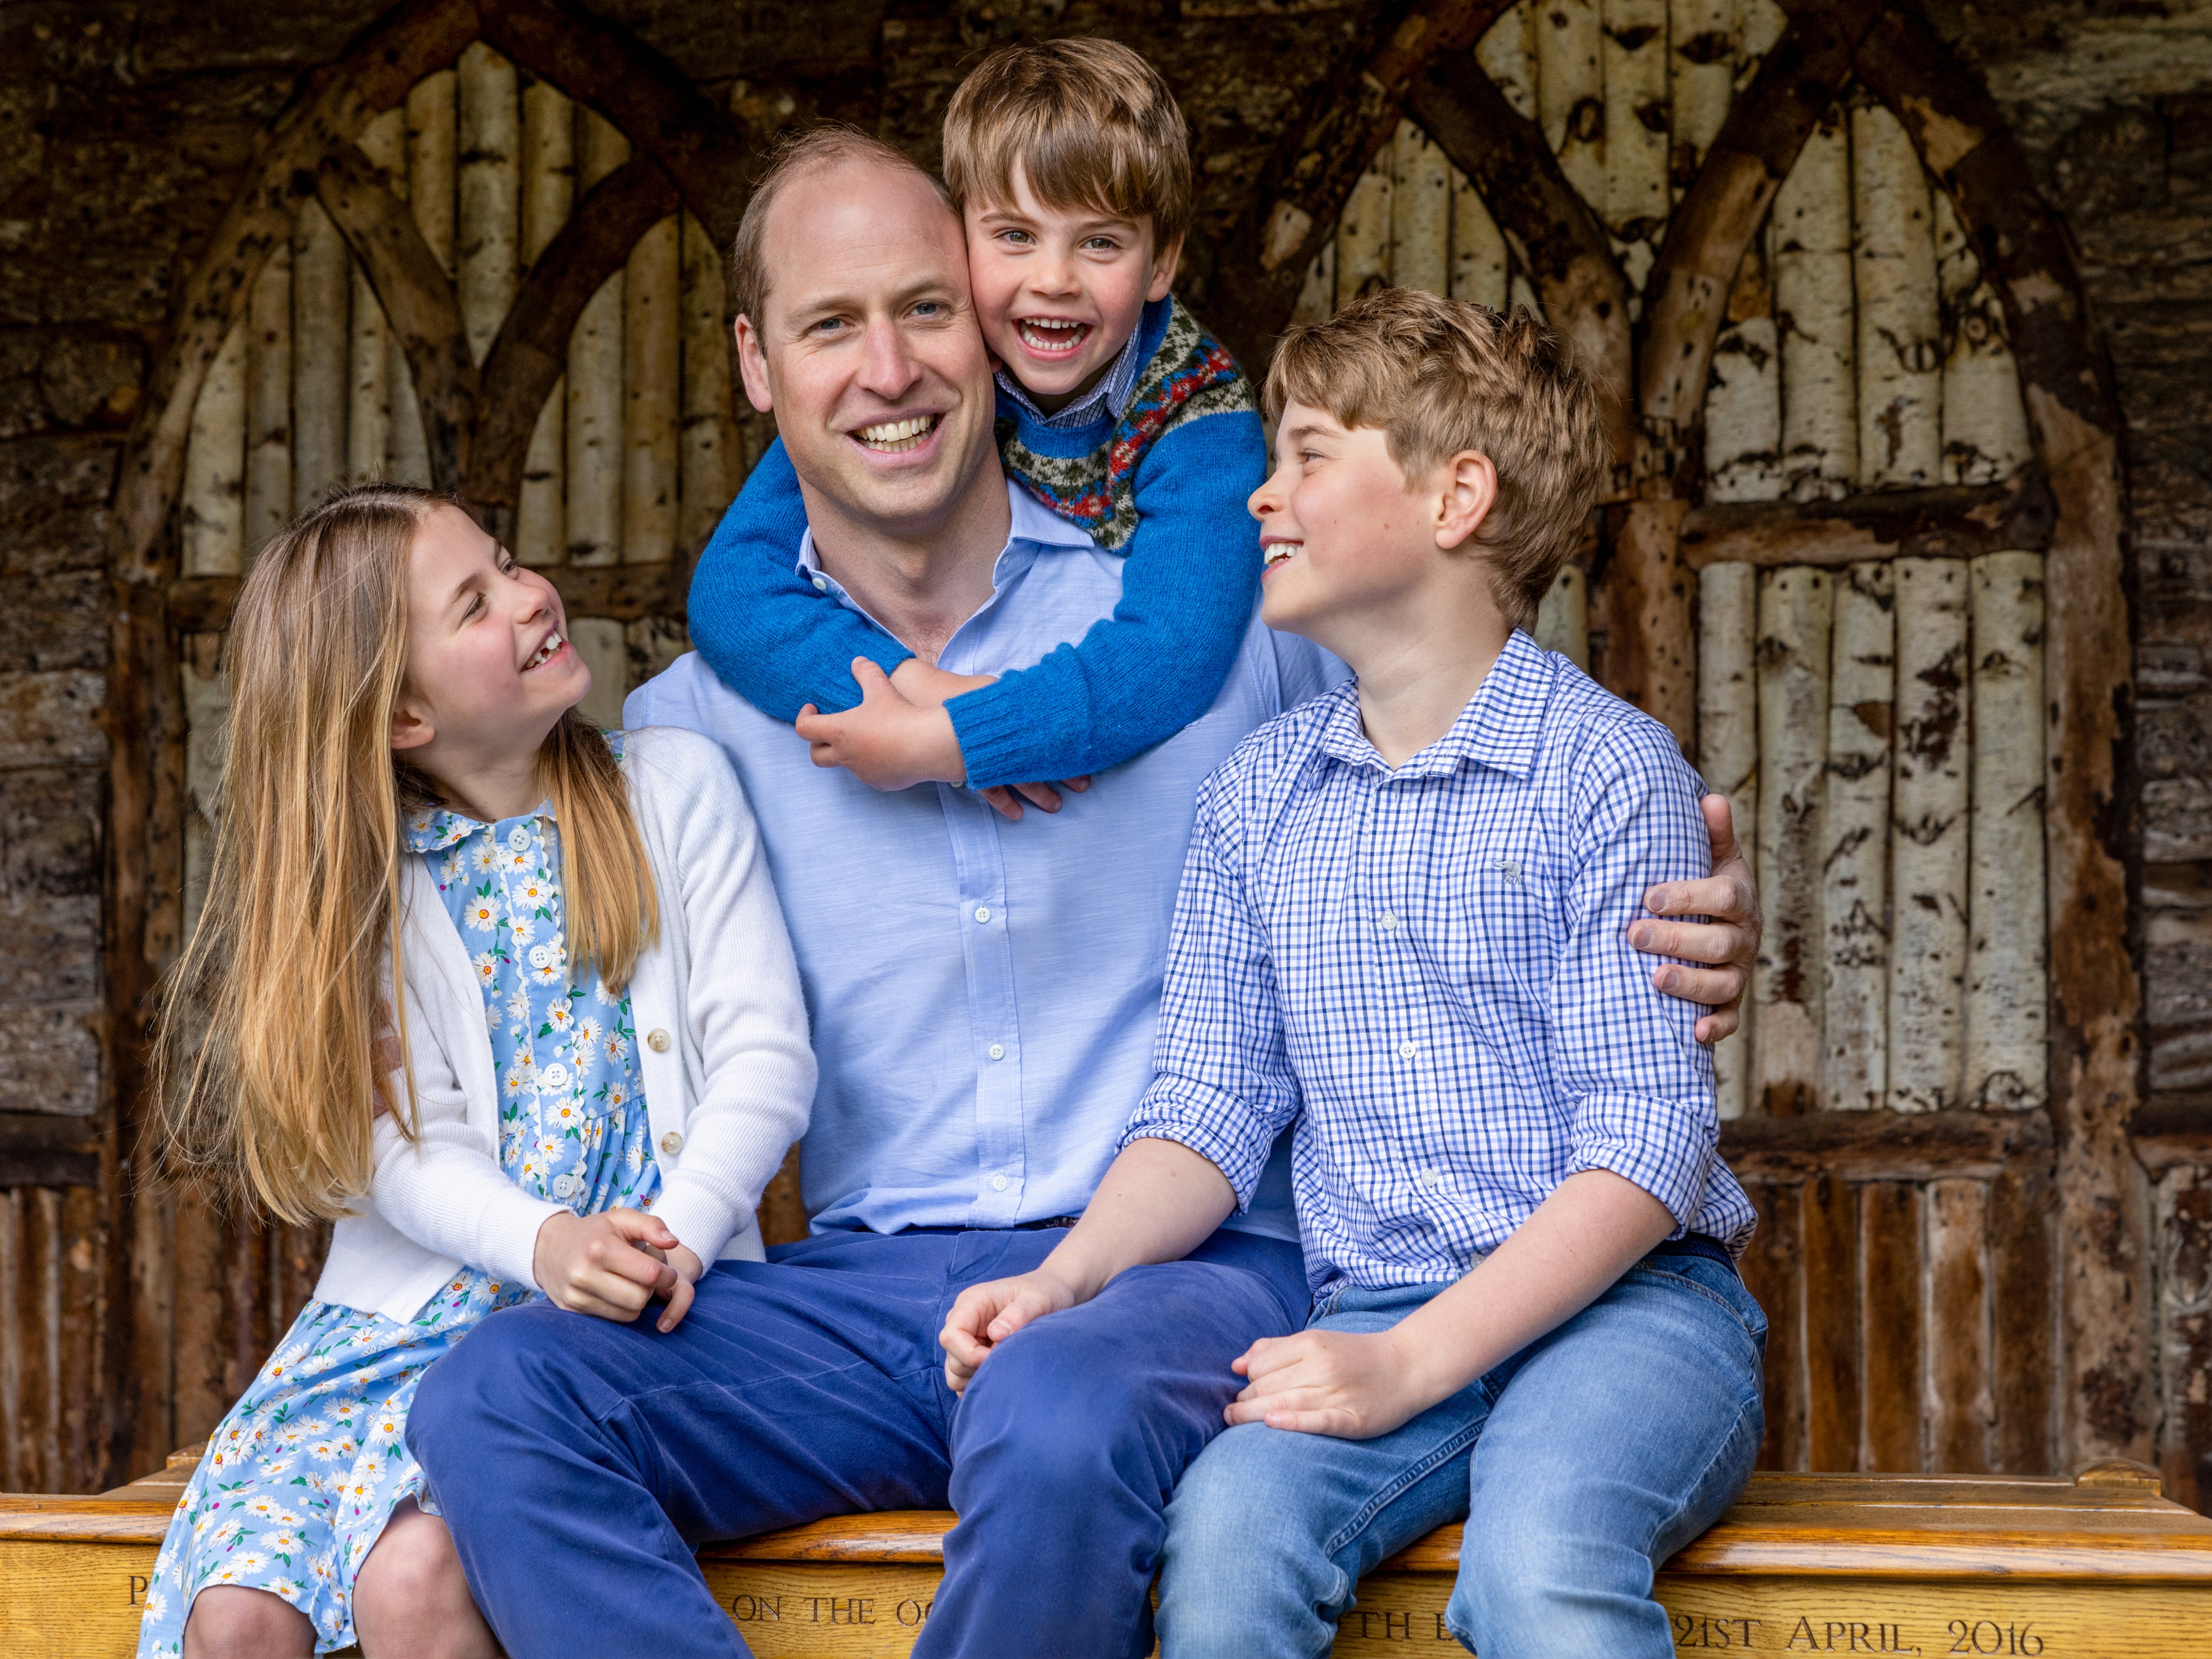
x=983 y=993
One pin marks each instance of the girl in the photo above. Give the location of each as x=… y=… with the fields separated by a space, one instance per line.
x=442 y=914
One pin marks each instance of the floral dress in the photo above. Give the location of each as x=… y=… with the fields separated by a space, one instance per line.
x=299 y=1481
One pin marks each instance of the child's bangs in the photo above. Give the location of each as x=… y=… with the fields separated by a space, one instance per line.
x=1070 y=167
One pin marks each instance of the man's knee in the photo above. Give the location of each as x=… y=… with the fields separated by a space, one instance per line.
x=1060 y=1399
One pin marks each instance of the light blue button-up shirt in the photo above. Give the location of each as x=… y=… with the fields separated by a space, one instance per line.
x=984 y=994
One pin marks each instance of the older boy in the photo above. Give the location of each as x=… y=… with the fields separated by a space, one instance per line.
x=1401 y=930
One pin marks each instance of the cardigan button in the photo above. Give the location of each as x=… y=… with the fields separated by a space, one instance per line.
x=657 y=1041
x=672 y=1142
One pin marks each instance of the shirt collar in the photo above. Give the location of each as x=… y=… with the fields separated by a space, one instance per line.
x=1500 y=727
x=1032 y=527
x=1115 y=389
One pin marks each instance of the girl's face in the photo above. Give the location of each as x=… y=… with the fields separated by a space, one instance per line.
x=489 y=668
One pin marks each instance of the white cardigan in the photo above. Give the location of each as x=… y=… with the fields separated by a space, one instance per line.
x=722 y=1045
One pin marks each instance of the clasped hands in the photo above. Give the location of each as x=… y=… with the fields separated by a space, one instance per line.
x=612 y=1264
x=900 y=735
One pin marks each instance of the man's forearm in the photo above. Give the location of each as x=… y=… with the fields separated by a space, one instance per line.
x=1158 y=1202
x=1593 y=1228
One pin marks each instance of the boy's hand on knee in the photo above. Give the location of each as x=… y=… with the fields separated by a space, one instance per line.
x=599 y=1264
x=888 y=743
x=987 y=1315
x=1352 y=1385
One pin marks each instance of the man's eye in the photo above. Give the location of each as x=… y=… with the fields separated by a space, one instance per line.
x=930 y=308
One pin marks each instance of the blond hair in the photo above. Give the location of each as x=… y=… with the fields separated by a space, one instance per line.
x=1089 y=124
x=266 y=1054
x=1440 y=376
x=831 y=144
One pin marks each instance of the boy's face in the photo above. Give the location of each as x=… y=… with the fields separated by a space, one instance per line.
x=1059 y=291
x=1354 y=551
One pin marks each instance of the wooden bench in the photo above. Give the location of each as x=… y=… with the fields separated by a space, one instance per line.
x=2097 y=1566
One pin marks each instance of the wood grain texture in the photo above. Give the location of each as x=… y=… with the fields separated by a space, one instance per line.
x=1727 y=756
x=269 y=401
x=1960 y=1406
x=1951 y=522
x=1887 y=1145
x=1814 y=302
x=1832 y=1389
x=322 y=295
x=213 y=498
x=1855 y=877
x=1794 y=623
x=1772 y=1266
x=1650 y=651
x=1899 y=353
x=1890 y=1326
x=487 y=193
x=2023 y=1309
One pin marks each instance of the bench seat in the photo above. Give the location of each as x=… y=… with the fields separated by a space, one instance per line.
x=2094 y=1566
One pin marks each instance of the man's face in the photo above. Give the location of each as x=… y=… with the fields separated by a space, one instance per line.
x=867 y=350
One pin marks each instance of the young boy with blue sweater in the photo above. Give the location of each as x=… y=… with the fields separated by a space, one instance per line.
x=1070 y=167
x=1402 y=930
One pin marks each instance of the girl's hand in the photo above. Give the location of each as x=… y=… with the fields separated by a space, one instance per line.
x=688 y=1268
x=1345 y=1383
x=594 y=1264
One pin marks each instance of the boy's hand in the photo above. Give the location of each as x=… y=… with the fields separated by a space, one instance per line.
x=595 y=1264
x=1350 y=1384
x=1008 y=797
x=987 y=1315
x=1728 y=942
x=929 y=686
x=887 y=741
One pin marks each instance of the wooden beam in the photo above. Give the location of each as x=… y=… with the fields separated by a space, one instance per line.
x=1295 y=201
x=1883 y=1146
x=203 y=604
x=418 y=303
x=2092 y=813
x=531 y=352
x=1951 y=521
x=38 y=1149
x=1685 y=296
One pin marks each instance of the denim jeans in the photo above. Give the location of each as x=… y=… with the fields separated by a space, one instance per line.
x=1579 y=1465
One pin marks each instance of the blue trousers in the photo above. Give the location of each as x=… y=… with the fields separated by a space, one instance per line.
x=579 y=1462
x=1579 y=1465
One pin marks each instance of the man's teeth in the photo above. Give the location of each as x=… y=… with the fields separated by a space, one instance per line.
x=1052 y=333
x=897 y=437
x=544 y=652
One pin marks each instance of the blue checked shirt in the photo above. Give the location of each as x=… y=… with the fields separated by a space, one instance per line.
x=1427 y=971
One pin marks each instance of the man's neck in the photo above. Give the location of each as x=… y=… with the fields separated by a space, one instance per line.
x=921 y=582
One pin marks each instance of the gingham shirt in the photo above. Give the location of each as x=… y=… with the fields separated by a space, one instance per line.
x=1428 y=970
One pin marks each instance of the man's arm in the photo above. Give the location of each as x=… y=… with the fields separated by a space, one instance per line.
x=1727 y=942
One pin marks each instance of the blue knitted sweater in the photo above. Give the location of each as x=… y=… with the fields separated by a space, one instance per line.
x=1167 y=481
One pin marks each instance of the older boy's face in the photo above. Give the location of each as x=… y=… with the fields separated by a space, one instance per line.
x=867 y=350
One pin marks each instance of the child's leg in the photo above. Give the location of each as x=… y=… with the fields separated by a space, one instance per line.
x=1270 y=1529
x=410 y=1599
x=230 y=1622
x=1614 y=1441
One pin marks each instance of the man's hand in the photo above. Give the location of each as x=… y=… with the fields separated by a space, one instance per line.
x=987 y=1315
x=1727 y=944
x=1350 y=1384
x=598 y=1265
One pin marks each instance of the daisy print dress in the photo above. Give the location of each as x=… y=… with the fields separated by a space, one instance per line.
x=299 y=1481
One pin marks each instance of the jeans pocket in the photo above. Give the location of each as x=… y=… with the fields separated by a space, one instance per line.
x=1716 y=1283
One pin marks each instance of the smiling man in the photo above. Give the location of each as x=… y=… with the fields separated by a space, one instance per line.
x=984 y=996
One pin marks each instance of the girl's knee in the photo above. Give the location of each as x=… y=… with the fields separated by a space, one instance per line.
x=230 y=1622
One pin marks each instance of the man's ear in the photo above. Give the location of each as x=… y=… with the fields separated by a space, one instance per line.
x=411 y=726
x=1467 y=490
x=753 y=365
x=1163 y=271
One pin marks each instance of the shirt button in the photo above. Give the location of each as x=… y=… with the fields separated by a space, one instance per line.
x=998 y=1183
x=983 y=913
x=672 y=1142
x=820 y=585
x=554 y=1075
x=1407 y=1050
x=997 y=1051
x=1390 y=922
x=657 y=1041
x=518 y=838
x=540 y=955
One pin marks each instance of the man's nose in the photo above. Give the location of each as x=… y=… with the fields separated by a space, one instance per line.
x=888 y=368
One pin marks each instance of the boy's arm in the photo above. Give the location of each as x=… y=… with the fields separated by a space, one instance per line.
x=1139 y=677
x=773 y=639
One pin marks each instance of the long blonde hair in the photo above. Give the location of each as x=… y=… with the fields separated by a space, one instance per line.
x=266 y=1056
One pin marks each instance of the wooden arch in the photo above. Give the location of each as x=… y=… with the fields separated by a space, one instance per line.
x=2075 y=511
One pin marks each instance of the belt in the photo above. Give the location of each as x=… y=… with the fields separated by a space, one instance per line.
x=1049 y=1221
x=1704 y=1244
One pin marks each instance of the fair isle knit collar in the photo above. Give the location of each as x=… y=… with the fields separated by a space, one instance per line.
x=1114 y=388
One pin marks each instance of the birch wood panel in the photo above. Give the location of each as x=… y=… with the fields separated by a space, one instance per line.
x=1813 y=307
x=1562 y=617
x=269 y=401
x=1855 y=893
x=1890 y=1325
x=709 y=434
x=599 y=642
x=1633 y=62
x=1317 y=295
x=594 y=413
x=407 y=447
x=1959 y=1406
x=1363 y=236
x=549 y=179
x=1984 y=419
x=368 y=413
x=1793 y=624
x=1743 y=393
x=1421 y=212
x=1727 y=755
x=322 y=295
x=1928 y=839
x=1571 y=92
x=212 y=512
x=1899 y=353
x=1507 y=53
x=488 y=185
x=432 y=160
x=653 y=644
x=1481 y=269
x=2006 y=1062
x=1704 y=37
x=652 y=395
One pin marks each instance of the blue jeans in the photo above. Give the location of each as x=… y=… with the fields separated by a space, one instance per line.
x=579 y=1462
x=1579 y=1465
